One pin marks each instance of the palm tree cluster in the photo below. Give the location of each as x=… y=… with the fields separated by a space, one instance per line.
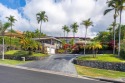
x=118 y=7
x=74 y=28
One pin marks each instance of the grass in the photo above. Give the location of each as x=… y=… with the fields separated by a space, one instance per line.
x=11 y=62
x=103 y=58
x=39 y=55
x=94 y=72
x=24 y=53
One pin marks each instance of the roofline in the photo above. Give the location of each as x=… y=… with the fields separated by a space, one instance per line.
x=47 y=38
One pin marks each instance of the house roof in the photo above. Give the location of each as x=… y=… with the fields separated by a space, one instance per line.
x=72 y=37
x=44 y=38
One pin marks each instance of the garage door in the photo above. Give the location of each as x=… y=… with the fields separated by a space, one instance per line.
x=50 y=50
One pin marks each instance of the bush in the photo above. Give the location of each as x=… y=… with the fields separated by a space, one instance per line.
x=122 y=54
x=60 y=51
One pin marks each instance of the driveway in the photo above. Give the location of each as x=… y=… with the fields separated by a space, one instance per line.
x=59 y=63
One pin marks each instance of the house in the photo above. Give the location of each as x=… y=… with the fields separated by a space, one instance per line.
x=50 y=43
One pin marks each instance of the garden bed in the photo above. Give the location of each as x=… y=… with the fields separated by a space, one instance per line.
x=18 y=54
x=101 y=62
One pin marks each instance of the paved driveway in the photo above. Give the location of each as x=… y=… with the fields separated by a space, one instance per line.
x=59 y=63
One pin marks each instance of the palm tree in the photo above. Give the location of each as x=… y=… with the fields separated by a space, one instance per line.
x=94 y=46
x=120 y=9
x=86 y=23
x=74 y=28
x=113 y=6
x=12 y=20
x=41 y=17
x=64 y=29
x=3 y=28
x=67 y=30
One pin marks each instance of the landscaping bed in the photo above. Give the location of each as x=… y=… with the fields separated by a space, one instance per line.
x=109 y=62
x=18 y=54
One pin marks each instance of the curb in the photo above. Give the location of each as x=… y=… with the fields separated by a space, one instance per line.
x=104 y=79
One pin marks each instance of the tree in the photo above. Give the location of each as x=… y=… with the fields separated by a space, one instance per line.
x=41 y=17
x=74 y=28
x=113 y=6
x=120 y=9
x=12 y=20
x=64 y=29
x=86 y=23
x=3 y=28
x=30 y=45
x=67 y=30
x=95 y=46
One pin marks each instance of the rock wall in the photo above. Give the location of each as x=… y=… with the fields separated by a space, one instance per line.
x=101 y=65
x=27 y=58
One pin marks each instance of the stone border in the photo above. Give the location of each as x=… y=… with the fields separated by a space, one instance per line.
x=27 y=58
x=101 y=65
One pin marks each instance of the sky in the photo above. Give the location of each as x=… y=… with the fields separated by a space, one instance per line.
x=60 y=13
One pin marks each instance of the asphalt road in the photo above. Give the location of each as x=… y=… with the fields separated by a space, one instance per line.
x=14 y=75
x=59 y=63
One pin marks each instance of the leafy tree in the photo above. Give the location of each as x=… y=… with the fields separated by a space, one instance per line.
x=12 y=20
x=30 y=45
x=41 y=17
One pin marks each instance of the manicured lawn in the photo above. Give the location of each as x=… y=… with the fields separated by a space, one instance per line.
x=105 y=58
x=94 y=72
x=12 y=62
x=23 y=53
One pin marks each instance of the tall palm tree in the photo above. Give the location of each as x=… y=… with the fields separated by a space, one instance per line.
x=113 y=6
x=74 y=28
x=121 y=7
x=86 y=23
x=3 y=28
x=65 y=30
x=12 y=20
x=41 y=17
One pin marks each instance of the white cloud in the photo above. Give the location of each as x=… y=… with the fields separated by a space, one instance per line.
x=61 y=13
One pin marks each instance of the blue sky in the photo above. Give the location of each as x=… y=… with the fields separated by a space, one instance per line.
x=14 y=4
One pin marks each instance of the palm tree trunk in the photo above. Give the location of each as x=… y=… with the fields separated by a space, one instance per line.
x=119 y=34
x=10 y=36
x=40 y=29
x=85 y=40
x=114 y=32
